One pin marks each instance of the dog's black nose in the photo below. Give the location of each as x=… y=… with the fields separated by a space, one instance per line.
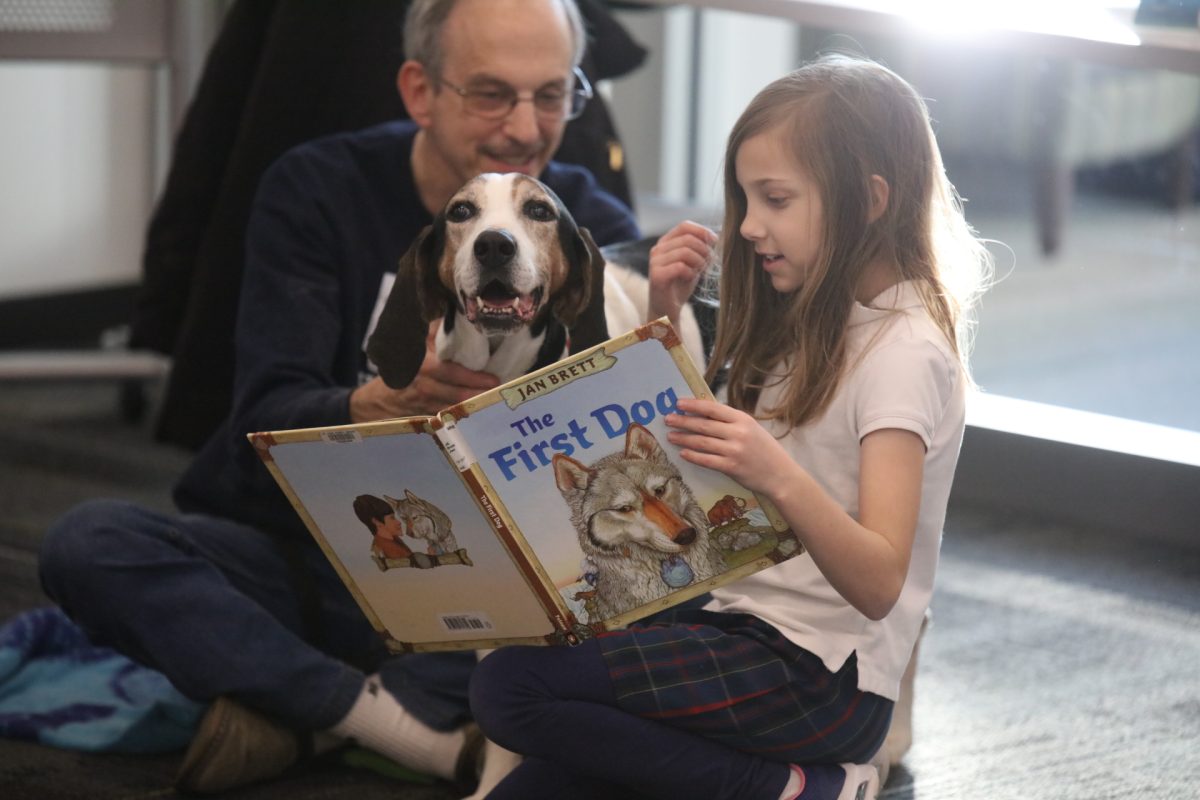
x=494 y=248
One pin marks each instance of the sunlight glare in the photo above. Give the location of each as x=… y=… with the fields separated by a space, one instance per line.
x=1086 y=19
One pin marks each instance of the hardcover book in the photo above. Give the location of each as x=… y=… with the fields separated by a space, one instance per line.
x=541 y=512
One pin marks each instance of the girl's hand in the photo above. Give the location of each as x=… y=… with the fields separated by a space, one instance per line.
x=865 y=559
x=677 y=261
x=722 y=438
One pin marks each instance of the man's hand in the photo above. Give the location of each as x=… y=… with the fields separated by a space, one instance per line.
x=677 y=262
x=438 y=384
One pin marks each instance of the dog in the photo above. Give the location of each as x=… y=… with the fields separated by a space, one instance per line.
x=513 y=281
x=638 y=524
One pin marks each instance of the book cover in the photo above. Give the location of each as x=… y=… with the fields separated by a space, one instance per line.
x=545 y=510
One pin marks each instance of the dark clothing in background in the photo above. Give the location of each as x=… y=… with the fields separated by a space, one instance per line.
x=282 y=72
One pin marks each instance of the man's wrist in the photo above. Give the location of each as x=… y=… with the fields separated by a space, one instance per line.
x=356 y=403
x=366 y=404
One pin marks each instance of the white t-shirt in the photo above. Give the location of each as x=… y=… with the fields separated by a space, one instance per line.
x=908 y=378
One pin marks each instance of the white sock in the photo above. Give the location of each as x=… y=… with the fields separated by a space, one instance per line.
x=378 y=722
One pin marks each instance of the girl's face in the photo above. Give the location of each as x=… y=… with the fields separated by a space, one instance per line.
x=783 y=209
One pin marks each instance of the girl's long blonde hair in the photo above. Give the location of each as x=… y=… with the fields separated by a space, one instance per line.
x=846 y=119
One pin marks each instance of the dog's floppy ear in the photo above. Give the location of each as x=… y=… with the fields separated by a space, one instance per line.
x=397 y=345
x=580 y=303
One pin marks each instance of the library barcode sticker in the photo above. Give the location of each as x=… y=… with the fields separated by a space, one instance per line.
x=341 y=437
x=468 y=622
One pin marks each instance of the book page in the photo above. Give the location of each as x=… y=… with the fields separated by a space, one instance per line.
x=617 y=520
x=435 y=572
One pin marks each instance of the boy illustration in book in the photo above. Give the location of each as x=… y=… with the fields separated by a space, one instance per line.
x=387 y=545
x=638 y=524
x=389 y=520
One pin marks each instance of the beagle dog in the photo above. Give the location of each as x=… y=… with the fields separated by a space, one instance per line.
x=510 y=276
x=514 y=282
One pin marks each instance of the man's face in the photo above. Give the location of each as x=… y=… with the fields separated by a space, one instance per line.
x=488 y=45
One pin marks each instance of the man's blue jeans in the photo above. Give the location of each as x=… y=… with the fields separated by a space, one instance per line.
x=213 y=604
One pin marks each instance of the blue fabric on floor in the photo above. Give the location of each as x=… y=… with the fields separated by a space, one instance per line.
x=59 y=689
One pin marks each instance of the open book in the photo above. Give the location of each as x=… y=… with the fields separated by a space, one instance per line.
x=541 y=512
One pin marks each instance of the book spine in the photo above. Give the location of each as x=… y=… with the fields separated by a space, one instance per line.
x=461 y=455
x=455 y=445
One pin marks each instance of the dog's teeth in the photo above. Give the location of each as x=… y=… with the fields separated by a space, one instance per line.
x=505 y=306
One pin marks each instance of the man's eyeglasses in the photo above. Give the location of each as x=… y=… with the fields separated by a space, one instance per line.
x=497 y=101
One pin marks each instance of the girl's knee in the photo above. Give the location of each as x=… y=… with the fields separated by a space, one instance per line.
x=493 y=684
x=516 y=692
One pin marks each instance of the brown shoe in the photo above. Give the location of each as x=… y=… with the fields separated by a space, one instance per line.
x=235 y=746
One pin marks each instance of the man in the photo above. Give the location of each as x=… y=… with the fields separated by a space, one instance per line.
x=232 y=599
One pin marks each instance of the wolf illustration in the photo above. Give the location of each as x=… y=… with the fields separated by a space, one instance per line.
x=423 y=520
x=638 y=523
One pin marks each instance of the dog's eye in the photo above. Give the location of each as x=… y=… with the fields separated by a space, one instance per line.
x=625 y=509
x=659 y=491
x=461 y=211
x=539 y=211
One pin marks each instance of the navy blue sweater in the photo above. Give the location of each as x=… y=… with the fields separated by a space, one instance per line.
x=331 y=218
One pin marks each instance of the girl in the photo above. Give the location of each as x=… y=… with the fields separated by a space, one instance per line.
x=842 y=337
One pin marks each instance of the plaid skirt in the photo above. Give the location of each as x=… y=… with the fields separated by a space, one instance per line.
x=735 y=679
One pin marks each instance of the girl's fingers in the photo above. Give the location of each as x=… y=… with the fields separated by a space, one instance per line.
x=702 y=459
x=697 y=442
x=695 y=241
x=696 y=425
x=697 y=407
x=689 y=257
x=701 y=232
x=688 y=241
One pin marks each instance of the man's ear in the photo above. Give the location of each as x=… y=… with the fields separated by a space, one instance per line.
x=879 y=197
x=416 y=90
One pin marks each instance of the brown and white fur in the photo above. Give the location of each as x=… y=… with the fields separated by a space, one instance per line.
x=512 y=279
x=634 y=516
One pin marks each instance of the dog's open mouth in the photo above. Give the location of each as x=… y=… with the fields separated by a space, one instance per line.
x=498 y=306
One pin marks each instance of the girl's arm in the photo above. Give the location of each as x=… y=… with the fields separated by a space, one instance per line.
x=865 y=560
